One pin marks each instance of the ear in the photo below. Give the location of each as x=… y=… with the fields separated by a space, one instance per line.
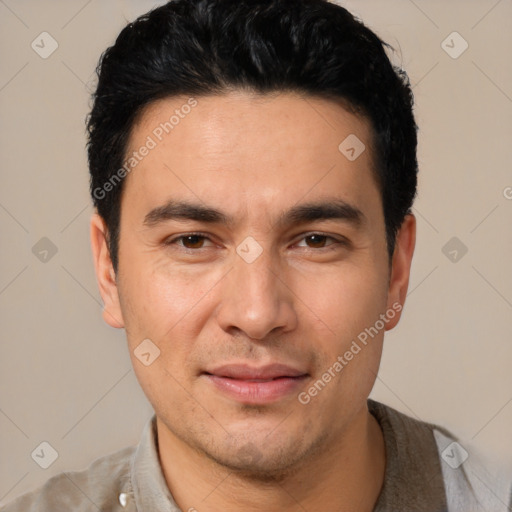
x=401 y=267
x=105 y=273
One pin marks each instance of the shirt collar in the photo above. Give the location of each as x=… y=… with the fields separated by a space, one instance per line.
x=150 y=490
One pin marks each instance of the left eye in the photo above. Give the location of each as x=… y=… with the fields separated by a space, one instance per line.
x=318 y=238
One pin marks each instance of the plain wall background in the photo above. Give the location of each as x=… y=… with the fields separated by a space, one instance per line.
x=66 y=377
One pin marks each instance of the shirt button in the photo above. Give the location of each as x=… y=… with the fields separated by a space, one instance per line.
x=123 y=499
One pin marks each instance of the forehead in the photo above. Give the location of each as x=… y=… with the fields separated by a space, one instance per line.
x=249 y=150
x=283 y=119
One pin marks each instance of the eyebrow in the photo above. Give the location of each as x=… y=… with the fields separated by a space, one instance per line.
x=327 y=209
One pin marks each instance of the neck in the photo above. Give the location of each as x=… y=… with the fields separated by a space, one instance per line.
x=347 y=475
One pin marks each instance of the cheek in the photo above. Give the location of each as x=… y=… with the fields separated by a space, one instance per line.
x=162 y=307
x=345 y=300
x=166 y=303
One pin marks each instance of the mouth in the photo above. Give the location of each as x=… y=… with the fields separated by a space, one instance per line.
x=251 y=385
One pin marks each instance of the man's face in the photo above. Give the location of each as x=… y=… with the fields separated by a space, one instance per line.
x=224 y=302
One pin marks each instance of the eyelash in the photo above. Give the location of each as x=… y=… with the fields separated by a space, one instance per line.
x=337 y=242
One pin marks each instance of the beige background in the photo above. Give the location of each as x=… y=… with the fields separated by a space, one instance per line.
x=66 y=377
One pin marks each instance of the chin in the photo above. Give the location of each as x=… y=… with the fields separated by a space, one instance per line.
x=264 y=461
x=250 y=464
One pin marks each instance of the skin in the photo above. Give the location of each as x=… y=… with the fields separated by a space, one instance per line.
x=301 y=302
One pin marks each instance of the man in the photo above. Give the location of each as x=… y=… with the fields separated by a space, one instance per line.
x=253 y=168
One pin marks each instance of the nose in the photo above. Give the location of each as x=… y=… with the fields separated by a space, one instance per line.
x=256 y=300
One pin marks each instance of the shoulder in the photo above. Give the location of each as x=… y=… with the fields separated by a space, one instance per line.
x=95 y=488
x=471 y=481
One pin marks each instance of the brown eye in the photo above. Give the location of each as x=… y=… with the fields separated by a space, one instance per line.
x=192 y=241
x=317 y=240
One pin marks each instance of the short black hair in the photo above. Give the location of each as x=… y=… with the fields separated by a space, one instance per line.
x=209 y=47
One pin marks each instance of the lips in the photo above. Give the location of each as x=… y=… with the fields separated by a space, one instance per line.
x=264 y=373
x=251 y=385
